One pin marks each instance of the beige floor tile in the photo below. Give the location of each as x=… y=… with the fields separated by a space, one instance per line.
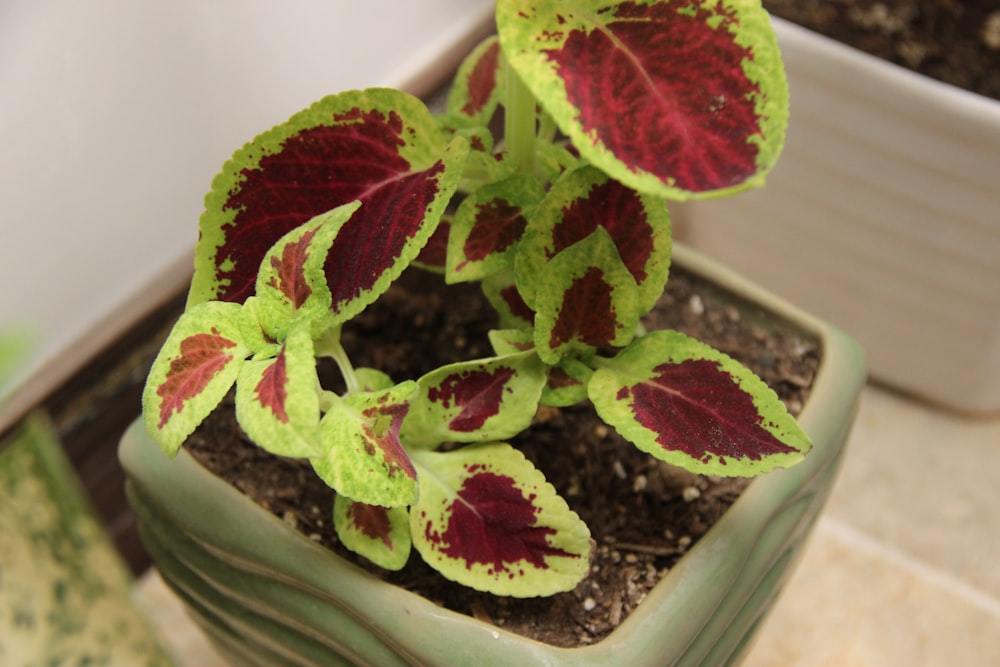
x=926 y=482
x=855 y=603
x=179 y=634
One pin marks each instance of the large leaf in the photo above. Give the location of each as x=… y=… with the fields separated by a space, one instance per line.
x=583 y=200
x=586 y=299
x=193 y=371
x=690 y=405
x=487 y=518
x=680 y=99
x=380 y=534
x=475 y=401
x=364 y=459
x=277 y=399
x=381 y=147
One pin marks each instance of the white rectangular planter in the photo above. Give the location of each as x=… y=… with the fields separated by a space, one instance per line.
x=882 y=216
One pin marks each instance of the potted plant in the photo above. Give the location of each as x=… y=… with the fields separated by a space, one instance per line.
x=887 y=193
x=563 y=224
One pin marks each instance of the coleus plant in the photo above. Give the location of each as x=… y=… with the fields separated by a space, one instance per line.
x=609 y=109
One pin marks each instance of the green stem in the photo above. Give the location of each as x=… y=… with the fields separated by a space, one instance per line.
x=519 y=122
x=329 y=346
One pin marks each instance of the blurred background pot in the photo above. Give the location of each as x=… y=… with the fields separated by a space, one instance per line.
x=883 y=215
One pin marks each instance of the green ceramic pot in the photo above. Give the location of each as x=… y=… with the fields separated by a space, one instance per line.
x=268 y=596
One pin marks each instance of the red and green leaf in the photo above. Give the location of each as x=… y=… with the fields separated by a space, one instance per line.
x=476 y=93
x=487 y=518
x=364 y=459
x=583 y=200
x=380 y=147
x=475 y=401
x=262 y=345
x=487 y=227
x=277 y=399
x=193 y=371
x=433 y=256
x=586 y=299
x=567 y=383
x=510 y=341
x=502 y=293
x=291 y=283
x=692 y=406
x=380 y=534
x=679 y=99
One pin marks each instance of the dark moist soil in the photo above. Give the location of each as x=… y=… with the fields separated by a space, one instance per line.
x=643 y=515
x=955 y=41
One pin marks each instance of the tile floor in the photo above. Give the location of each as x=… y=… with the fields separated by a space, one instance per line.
x=902 y=568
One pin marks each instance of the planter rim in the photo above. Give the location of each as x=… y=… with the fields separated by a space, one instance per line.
x=155 y=481
x=897 y=80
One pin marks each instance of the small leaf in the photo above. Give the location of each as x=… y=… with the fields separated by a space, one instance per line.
x=502 y=293
x=291 y=282
x=192 y=373
x=510 y=341
x=567 y=383
x=692 y=406
x=487 y=227
x=475 y=93
x=487 y=518
x=277 y=399
x=261 y=343
x=380 y=534
x=583 y=200
x=475 y=401
x=364 y=459
x=372 y=379
x=586 y=299
x=378 y=146
x=677 y=99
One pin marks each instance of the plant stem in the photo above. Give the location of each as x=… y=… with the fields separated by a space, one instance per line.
x=519 y=122
x=329 y=346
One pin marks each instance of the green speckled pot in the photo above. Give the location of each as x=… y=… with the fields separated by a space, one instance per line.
x=269 y=597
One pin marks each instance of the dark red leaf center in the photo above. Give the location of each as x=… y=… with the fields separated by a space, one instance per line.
x=698 y=409
x=493 y=523
x=673 y=73
x=478 y=394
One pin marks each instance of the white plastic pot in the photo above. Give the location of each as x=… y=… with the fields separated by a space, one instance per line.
x=882 y=216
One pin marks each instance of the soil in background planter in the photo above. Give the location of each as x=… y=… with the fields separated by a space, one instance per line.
x=955 y=41
x=643 y=515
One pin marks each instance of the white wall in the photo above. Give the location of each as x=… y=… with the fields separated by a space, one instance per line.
x=115 y=115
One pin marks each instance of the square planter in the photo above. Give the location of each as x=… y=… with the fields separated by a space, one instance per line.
x=883 y=215
x=266 y=595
